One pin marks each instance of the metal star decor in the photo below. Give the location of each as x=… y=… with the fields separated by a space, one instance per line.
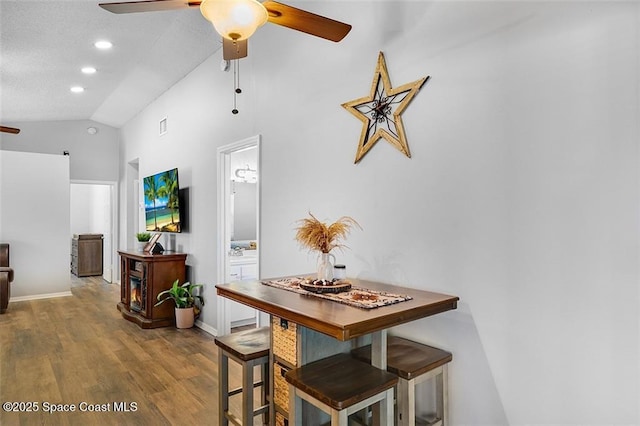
x=381 y=111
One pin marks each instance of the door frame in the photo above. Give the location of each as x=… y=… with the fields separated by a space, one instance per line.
x=224 y=213
x=113 y=214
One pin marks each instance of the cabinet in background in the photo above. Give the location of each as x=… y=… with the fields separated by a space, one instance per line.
x=242 y=269
x=86 y=255
x=144 y=275
x=244 y=272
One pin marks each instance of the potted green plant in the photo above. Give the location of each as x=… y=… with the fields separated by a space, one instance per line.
x=187 y=303
x=143 y=238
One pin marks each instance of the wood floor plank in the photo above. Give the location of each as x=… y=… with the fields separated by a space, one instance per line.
x=79 y=350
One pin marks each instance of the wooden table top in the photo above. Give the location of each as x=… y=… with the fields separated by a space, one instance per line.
x=334 y=319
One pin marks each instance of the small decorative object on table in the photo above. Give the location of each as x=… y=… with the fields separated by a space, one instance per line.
x=317 y=236
x=339 y=272
x=153 y=246
x=325 y=266
x=143 y=238
x=325 y=286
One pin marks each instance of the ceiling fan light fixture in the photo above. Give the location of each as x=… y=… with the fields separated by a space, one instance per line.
x=234 y=19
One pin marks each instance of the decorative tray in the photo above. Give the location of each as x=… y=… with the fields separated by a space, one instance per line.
x=318 y=286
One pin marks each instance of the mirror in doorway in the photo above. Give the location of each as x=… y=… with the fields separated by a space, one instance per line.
x=243 y=211
x=244 y=206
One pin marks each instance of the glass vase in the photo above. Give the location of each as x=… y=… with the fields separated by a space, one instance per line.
x=325 y=266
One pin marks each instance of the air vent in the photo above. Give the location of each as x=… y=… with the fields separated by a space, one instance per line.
x=163 y=126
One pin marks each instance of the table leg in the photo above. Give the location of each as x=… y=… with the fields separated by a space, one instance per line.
x=379 y=359
x=223 y=388
x=379 y=349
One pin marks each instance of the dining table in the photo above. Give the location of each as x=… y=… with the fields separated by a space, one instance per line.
x=335 y=319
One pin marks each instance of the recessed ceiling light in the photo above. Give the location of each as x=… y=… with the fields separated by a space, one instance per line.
x=77 y=89
x=103 y=44
x=89 y=70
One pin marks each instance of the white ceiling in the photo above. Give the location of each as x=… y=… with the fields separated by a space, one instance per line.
x=44 y=44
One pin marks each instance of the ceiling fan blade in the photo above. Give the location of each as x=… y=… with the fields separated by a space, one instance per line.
x=307 y=22
x=12 y=130
x=233 y=49
x=148 y=6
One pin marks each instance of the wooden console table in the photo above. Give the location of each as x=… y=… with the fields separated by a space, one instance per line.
x=143 y=276
x=318 y=328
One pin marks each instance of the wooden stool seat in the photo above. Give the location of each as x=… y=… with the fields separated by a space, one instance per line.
x=413 y=363
x=340 y=385
x=406 y=358
x=246 y=345
x=249 y=349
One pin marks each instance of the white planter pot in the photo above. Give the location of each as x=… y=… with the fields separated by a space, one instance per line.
x=184 y=317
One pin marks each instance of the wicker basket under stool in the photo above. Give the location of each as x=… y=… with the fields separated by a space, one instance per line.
x=249 y=349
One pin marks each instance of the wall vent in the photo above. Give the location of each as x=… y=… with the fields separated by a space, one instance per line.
x=163 y=126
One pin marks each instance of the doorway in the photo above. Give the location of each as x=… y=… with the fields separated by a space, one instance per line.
x=93 y=208
x=238 y=227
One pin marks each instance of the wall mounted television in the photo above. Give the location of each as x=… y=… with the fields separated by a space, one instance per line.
x=162 y=202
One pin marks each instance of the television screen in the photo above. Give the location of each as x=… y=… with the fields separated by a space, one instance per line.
x=161 y=202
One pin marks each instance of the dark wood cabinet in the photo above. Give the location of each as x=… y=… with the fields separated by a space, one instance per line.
x=86 y=255
x=143 y=276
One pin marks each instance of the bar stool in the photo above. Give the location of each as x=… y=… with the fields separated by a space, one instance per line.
x=339 y=385
x=414 y=363
x=247 y=348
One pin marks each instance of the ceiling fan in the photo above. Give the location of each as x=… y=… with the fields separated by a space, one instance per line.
x=237 y=20
x=11 y=130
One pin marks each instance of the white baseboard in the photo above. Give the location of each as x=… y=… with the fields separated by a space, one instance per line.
x=40 y=296
x=212 y=331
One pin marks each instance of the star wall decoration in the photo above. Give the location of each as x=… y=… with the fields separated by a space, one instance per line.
x=381 y=111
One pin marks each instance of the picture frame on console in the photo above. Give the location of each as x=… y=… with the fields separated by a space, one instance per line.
x=149 y=246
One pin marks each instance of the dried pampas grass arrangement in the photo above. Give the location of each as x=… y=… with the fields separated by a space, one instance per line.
x=317 y=236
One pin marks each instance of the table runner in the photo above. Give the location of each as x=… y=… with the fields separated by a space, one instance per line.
x=359 y=297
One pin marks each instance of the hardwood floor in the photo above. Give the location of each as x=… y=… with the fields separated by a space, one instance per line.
x=79 y=350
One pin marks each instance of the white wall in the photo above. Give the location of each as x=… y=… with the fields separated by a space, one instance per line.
x=81 y=208
x=521 y=196
x=92 y=157
x=90 y=208
x=34 y=220
x=196 y=126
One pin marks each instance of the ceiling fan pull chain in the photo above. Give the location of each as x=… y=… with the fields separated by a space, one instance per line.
x=235 y=84
x=238 y=90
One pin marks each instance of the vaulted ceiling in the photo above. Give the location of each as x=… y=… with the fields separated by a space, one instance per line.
x=44 y=45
